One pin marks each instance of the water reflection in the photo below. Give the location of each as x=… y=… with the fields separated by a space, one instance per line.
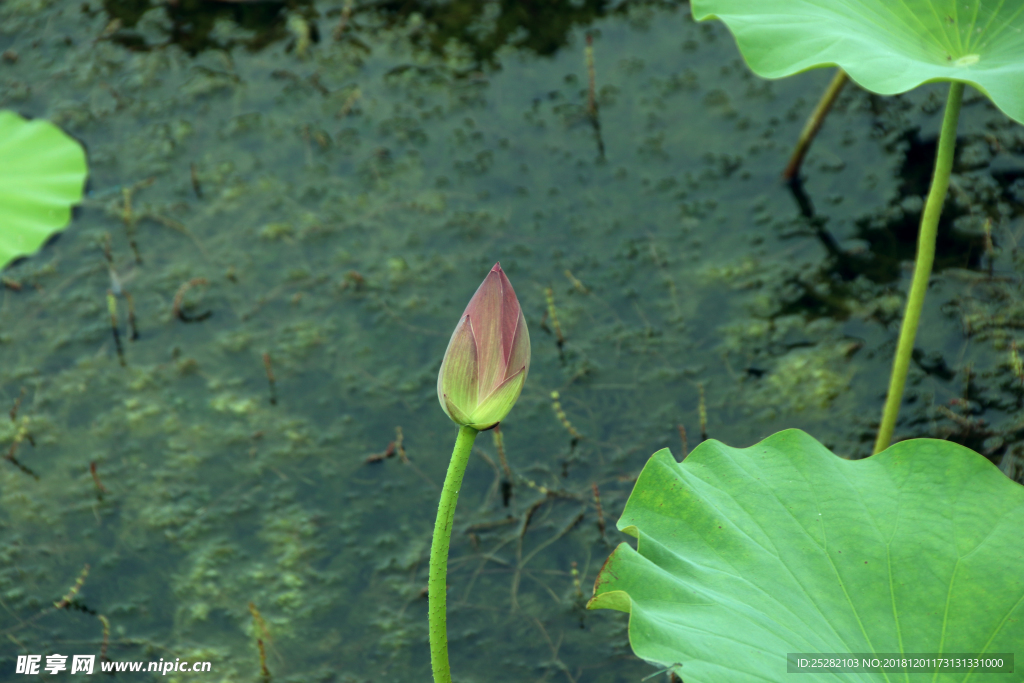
x=480 y=29
x=191 y=23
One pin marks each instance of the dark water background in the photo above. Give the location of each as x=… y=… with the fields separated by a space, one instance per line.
x=342 y=194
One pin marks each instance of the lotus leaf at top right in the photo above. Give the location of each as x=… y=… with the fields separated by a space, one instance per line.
x=886 y=46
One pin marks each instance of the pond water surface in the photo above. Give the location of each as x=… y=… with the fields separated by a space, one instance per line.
x=335 y=197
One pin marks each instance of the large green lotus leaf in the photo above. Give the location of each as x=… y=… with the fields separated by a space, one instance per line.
x=42 y=174
x=887 y=46
x=747 y=554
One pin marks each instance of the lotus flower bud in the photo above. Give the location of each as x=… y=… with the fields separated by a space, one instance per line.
x=488 y=356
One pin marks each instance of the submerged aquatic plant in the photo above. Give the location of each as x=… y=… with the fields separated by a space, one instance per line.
x=481 y=376
x=42 y=175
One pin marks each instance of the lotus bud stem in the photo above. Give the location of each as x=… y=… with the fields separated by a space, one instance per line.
x=481 y=376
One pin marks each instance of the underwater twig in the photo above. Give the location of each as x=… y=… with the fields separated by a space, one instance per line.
x=521 y=562
x=129 y=218
x=922 y=265
x=485 y=558
x=591 y=80
x=563 y=418
x=353 y=280
x=106 y=638
x=549 y=294
x=17 y=463
x=100 y=488
x=110 y=29
x=112 y=311
x=132 y=329
x=262 y=633
x=487 y=526
x=315 y=81
x=350 y=102
x=22 y=623
x=1016 y=364
x=117 y=288
x=388 y=452
x=321 y=138
x=551 y=493
x=394 y=447
x=179 y=311
x=21 y=434
x=595 y=120
x=118 y=97
x=968 y=424
x=107 y=251
x=576 y=283
x=346 y=14
x=527 y=517
x=177 y=227
x=555 y=660
x=990 y=251
x=299 y=27
x=270 y=378
x=264 y=671
x=968 y=373
x=499 y=444
x=813 y=125
x=399 y=438
x=600 y=510
x=495 y=485
x=507 y=482
x=17 y=405
x=196 y=187
x=578 y=589
x=259 y=623
x=423 y=475
x=70 y=596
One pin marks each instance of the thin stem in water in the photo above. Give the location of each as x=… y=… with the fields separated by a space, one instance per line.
x=437 y=610
x=813 y=125
x=922 y=265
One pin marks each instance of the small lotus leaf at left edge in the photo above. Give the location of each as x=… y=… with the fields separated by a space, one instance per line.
x=42 y=175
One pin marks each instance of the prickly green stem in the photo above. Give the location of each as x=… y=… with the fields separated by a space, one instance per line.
x=922 y=265
x=436 y=583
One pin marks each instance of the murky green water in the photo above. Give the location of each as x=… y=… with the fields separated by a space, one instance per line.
x=347 y=198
